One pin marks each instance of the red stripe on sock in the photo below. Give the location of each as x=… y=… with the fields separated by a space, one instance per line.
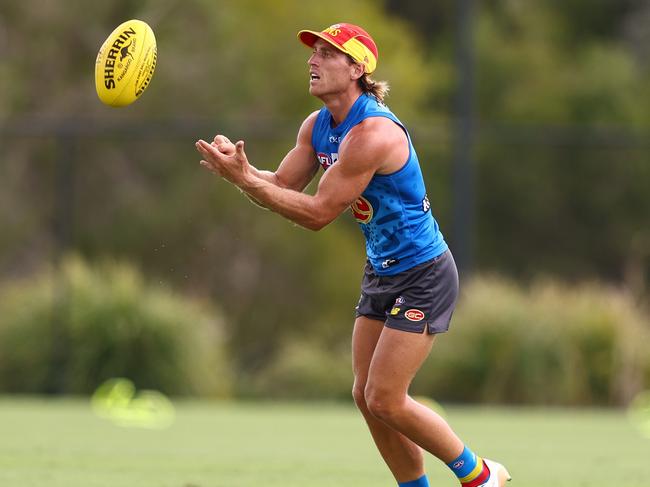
x=481 y=479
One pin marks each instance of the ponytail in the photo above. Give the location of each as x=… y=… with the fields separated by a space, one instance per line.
x=378 y=89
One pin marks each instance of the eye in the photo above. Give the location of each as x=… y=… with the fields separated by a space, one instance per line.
x=322 y=52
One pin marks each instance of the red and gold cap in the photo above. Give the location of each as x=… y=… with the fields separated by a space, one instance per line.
x=349 y=38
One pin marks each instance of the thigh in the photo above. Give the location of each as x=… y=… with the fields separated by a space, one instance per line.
x=396 y=359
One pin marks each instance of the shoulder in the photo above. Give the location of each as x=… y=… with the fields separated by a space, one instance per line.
x=307 y=127
x=378 y=129
x=378 y=141
x=310 y=121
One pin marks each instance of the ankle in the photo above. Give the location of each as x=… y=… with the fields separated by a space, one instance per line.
x=421 y=482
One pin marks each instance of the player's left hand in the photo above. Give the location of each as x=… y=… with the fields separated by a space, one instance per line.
x=220 y=158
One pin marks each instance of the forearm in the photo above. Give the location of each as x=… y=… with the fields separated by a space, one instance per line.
x=298 y=207
x=268 y=176
x=275 y=179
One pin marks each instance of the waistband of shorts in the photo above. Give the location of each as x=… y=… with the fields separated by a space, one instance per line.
x=411 y=262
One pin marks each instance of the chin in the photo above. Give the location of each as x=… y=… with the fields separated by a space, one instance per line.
x=314 y=91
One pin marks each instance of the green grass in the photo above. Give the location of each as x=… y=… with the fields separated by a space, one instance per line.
x=61 y=443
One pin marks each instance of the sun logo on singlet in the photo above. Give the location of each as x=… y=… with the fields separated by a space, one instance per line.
x=362 y=210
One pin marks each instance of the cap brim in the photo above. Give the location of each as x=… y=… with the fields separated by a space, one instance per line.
x=309 y=38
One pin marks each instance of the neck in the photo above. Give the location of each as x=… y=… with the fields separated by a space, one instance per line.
x=339 y=105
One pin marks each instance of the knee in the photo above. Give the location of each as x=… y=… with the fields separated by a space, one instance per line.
x=382 y=403
x=358 y=394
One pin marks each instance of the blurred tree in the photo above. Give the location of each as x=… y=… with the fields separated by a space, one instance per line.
x=563 y=115
x=593 y=20
x=433 y=20
x=233 y=67
x=562 y=145
x=562 y=188
x=636 y=32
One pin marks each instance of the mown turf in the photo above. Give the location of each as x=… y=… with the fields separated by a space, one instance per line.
x=61 y=443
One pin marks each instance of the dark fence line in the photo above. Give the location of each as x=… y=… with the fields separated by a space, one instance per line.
x=505 y=132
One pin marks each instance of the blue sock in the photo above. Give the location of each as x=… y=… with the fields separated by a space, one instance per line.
x=421 y=482
x=467 y=467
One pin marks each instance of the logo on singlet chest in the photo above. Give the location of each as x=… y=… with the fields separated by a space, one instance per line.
x=326 y=160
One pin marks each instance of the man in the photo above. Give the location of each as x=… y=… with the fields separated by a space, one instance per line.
x=410 y=283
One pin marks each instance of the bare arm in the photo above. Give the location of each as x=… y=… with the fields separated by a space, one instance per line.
x=368 y=148
x=298 y=167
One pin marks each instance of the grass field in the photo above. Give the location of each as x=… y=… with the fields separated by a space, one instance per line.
x=61 y=443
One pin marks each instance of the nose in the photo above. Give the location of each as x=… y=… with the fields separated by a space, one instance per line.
x=312 y=59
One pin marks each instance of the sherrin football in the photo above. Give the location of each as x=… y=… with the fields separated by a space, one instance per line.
x=125 y=63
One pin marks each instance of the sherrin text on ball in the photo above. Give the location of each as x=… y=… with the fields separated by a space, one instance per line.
x=125 y=63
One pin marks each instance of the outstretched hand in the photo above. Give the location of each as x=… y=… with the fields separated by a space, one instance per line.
x=223 y=145
x=225 y=159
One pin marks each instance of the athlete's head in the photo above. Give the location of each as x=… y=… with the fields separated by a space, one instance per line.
x=348 y=38
x=359 y=48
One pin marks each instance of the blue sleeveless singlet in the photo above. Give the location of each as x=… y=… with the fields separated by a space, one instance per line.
x=393 y=211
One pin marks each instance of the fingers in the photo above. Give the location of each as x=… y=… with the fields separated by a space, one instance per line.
x=222 y=157
x=210 y=167
x=221 y=139
x=239 y=147
x=223 y=145
x=204 y=148
x=211 y=156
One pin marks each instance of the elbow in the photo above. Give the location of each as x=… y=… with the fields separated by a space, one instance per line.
x=318 y=222
x=314 y=225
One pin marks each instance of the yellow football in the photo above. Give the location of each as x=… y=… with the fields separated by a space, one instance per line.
x=125 y=63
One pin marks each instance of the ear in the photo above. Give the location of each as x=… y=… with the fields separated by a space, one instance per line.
x=357 y=71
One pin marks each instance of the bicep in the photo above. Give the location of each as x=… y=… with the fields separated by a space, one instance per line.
x=362 y=153
x=340 y=186
x=297 y=168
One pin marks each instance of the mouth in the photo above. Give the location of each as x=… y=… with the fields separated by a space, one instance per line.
x=313 y=77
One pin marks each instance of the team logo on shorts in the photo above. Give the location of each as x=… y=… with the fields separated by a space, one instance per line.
x=394 y=311
x=362 y=210
x=414 y=315
x=399 y=300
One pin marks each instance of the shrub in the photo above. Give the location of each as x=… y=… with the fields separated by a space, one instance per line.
x=304 y=370
x=70 y=329
x=548 y=344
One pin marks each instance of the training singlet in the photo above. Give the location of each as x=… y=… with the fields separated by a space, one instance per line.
x=393 y=211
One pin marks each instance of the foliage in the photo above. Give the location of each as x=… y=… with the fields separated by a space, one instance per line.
x=303 y=370
x=548 y=189
x=226 y=60
x=548 y=344
x=135 y=190
x=561 y=149
x=70 y=329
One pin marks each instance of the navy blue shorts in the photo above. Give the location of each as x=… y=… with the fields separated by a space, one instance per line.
x=423 y=297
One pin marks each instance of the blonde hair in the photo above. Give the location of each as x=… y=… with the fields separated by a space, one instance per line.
x=378 y=89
